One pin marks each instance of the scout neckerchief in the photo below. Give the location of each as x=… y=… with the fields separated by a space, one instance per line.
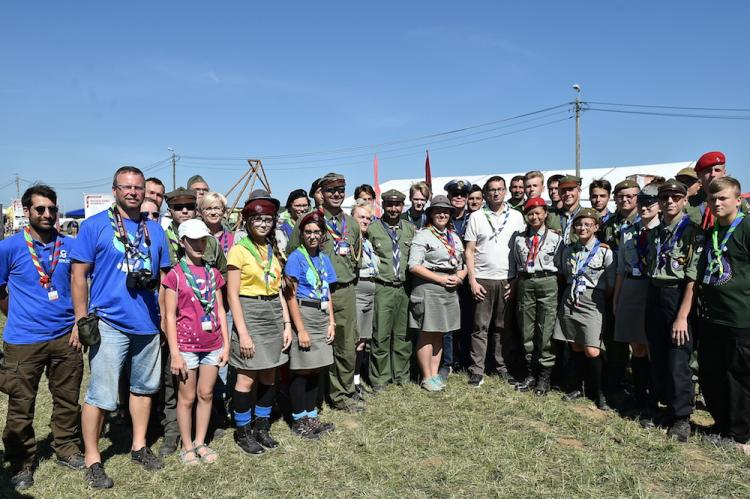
x=287 y=224
x=496 y=232
x=224 y=240
x=207 y=299
x=708 y=218
x=45 y=278
x=606 y=217
x=569 y=224
x=581 y=264
x=447 y=240
x=418 y=222
x=132 y=249
x=714 y=253
x=339 y=237
x=173 y=240
x=370 y=260
x=249 y=245
x=534 y=243
x=318 y=273
x=663 y=249
x=393 y=235
x=641 y=249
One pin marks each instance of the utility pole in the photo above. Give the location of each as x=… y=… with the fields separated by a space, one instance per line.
x=18 y=187
x=174 y=168
x=577 y=88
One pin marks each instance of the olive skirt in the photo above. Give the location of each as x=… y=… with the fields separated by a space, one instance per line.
x=320 y=354
x=265 y=323
x=582 y=322
x=365 y=308
x=433 y=308
x=630 y=321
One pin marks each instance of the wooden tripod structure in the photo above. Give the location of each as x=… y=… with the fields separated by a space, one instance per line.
x=255 y=173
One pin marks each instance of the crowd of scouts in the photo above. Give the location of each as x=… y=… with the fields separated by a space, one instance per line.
x=199 y=322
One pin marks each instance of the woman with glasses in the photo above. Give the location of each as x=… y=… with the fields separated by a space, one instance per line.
x=212 y=207
x=589 y=274
x=262 y=330
x=309 y=274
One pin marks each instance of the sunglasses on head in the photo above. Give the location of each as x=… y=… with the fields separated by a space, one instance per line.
x=335 y=190
x=183 y=206
x=41 y=209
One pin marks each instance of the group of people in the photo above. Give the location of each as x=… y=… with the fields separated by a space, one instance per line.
x=192 y=321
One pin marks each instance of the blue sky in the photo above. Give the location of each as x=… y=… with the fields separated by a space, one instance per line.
x=88 y=86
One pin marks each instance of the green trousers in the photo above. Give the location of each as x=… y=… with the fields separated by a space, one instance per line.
x=537 y=310
x=390 y=348
x=341 y=373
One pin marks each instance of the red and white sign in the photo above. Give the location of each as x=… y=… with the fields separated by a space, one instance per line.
x=94 y=203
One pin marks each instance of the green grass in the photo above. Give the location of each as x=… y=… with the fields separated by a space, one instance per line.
x=462 y=442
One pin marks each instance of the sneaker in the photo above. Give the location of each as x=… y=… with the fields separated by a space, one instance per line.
x=527 y=384
x=352 y=407
x=476 y=380
x=362 y=392
x=431 y=385
x=303 y=429
x=73 y=461
x=443 y=374
x=22 y=479
x=319 y=426
x=508 y=378
x=169 y=445
x=378 y=389
x=147 y=459
x=261 y=429
x=573 y=395
x=244 y=439
x=97 y=478
x=680 y=430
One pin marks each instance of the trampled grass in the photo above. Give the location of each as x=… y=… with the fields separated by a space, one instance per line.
x=490 y=442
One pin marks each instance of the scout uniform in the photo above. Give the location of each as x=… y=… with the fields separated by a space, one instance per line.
x=534 y=256
x=418 y=221
x=517 y=205
x=565 y=218
x=344 y=247
x=368 y=269
x=698 y=210
x=391 y=348
x=672 y=261
x=611 y=230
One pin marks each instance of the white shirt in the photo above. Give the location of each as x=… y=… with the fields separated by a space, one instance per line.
x=493 y=235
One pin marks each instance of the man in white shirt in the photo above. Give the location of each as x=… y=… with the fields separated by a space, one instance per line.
x=489 y=238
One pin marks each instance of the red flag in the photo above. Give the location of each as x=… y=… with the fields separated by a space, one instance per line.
x=376 y=186
x=427 y=173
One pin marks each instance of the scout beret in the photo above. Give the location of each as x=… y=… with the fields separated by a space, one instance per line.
x=687 y=172
x=710 y=159
x=649 y=194
x=457 y=185
x=330 y=177
x=393 y=195
x=295 y=195
x=588 y=213
x=314 y=217
x=180 y=192
x=194 y=180
x=533 y=203
x=260 y=202
x=440 y=201
x=673 y=185
x=315 y=186
x=569 y=181
x=626 y=184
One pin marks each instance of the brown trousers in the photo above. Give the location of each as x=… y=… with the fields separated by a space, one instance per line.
x=23 y=369
x=490 y=319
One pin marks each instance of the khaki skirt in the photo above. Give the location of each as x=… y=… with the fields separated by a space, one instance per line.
x=320 y=354
x=630 y=322
x=582 y=323
x=365 y=308
x=433 y=308
x=265 y=323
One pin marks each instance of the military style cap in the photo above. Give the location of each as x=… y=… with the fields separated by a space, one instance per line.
x=194 y=180
x=626 y=184
x=649 y=194
x=330 y=177
x=687 y=172
x=569 y=181
x=178 y=193
x=393 y=195
x=673 y=185
x=588 y=213
x=260 y=202
x=314 y=187
x=709 y=160
x=533 y=203
x=458 y=185
x=440 y=201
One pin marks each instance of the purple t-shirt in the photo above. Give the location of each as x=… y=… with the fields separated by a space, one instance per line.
x=190 y=335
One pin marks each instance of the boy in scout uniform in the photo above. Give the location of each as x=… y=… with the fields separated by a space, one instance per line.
x=710 y=166
x=391 y=239
x=343 y=245
x=569 y=188
x=674 y=248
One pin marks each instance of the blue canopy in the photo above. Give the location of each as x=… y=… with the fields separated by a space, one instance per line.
x=79 y=213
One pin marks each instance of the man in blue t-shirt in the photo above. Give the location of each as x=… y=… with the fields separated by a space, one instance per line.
x=122 y=252
x=35 y=271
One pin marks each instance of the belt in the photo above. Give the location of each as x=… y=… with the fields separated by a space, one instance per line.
x=661 y=283
x=539 y=273
x=338 y=285
x=367 y=279
x=261 y=297
x=445 y=271
x=636 y=277
x=387 y=284
x=309 y=303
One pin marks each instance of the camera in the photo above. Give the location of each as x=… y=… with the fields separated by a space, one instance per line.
x=141 y=279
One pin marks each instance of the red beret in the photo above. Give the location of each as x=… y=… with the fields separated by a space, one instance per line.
x=258 y=207
x=710 y=159
x=314 y=217
x=533 y=203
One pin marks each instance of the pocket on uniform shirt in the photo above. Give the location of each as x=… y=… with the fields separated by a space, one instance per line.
x=417 y=305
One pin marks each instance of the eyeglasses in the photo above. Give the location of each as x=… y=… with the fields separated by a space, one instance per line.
x=262 y=221
x=620 y=197
x=136 y=188
x=495 y=191
x=583 y=225
x=219 y=209
x=151 y=214
x=335 y=190
x=313 y=233
x=183 y=206
x=41 y=209
x=458 y=195
x=666 y=197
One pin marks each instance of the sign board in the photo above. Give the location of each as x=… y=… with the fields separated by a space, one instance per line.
x=19 y=220
x=94 y=203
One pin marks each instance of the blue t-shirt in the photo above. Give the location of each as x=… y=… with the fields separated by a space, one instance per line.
x=32 y=316
x=298 y=268
x=129 y=310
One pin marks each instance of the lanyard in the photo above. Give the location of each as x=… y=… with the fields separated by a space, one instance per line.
x=446 y=239
x=318 y=274
x=132 y=249
x=251 y=247
x=569 y=224
x=715 y=253
x=208 y=297
x=496 y=232
x=337 y=236
x=534 y=250
x=174 y=243
x=224 y=240
x=663 y=250
x=45 y=278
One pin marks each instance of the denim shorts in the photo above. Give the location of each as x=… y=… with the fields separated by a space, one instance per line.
x=107 y=359
x=195 y=359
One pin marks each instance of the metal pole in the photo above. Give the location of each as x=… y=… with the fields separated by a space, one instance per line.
x=18 y=187
x=577 y=88
x=174 y=171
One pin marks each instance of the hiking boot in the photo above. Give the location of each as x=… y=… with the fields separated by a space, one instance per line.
x=244 y=439
x=378 y=389
x=601 y=402
x=261 y=428
x=573 y=395
x=508 y=378
x=362 y=392
x=720 y=441
x=23 y=478
x=542 y=383
x=147 y=459
x=476 y=380
x=319 y=426
x=301 y=428
x=680 y=430
x=73 y=461
x=97 y=478
x=350 y=406
x=169 y=445
x=527 y=384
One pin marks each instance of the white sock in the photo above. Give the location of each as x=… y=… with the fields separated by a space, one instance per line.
x=356 y=379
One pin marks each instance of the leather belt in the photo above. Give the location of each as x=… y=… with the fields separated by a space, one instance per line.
x=261 y=297
x=309 y=303
x=540 y=273
x=387 y=284
x=337 y=285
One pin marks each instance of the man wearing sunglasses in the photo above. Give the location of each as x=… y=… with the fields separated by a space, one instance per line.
x=35 y=268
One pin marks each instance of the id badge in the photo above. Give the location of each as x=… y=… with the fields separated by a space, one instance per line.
x=706 y=278
x=530 y=267
x=636 y=272
x=343 y=248
x=206 y=324
x=453 y=261
x=324 y=305
x=580 y=287
x=52 y=294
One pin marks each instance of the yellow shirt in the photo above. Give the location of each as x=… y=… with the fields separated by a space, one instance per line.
x=252 y=281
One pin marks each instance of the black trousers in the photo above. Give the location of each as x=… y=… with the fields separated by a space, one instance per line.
x=670 y=363
x=724 y=359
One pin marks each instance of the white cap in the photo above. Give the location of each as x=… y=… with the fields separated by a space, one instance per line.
x=193 y=229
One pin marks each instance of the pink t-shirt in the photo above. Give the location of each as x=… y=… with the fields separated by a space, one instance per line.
x=190 y=335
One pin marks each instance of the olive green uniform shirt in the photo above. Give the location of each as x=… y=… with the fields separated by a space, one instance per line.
x=673 y=263
x=600 y=272
x=546 y=260
x=564 y=223
x=382 y=245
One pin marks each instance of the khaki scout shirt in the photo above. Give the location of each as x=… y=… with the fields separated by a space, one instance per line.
x=430 y=252
x=566 y=223
x=548 y=257
x=599 y=273
x=383 y=247
x=680 y=260
x=346 y=266
x=627 y=257
x=612 y=230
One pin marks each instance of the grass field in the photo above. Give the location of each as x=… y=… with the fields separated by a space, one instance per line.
x=461 y=442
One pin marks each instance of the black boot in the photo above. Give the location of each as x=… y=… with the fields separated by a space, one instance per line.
x=595 y=383
x=244 y=438
x=261 y=428
x=576 y=367
x=542 y=382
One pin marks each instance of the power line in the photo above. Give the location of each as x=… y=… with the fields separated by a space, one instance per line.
x=678 y=115
x=738 y=110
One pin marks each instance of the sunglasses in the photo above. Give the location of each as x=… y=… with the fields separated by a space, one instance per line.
x=183 y=206
x=41 y=209
x=335 y=190
x=666 y=197
x=151 y=214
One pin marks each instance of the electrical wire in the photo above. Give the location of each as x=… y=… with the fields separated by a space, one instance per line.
x=678 y=115
x=686 y=108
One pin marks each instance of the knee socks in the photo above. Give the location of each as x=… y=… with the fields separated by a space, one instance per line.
x=595 y=376
x=265 y=400
x=641 y=380
x=298 y=396
x=311 y=395
x=358 y=366
x=242 y=408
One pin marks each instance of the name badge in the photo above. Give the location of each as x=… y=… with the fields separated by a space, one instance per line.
x=343 y=249
x=580 y=287
x=636 y=272
x=530 y=266
x=324 y=305
x=453 y=261
x=206 y=324
x=707 y=278
x=52 y=294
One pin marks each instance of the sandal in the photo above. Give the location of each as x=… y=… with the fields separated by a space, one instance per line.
x=189 y=457
x=209 y=457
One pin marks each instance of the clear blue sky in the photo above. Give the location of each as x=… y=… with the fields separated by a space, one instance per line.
x=88 y=86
